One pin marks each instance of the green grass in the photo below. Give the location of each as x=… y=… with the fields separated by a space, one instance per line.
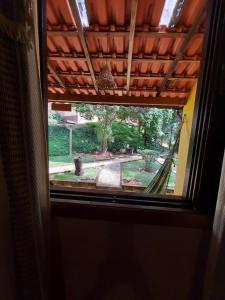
x=56 y=161
x=89 y=174
x=135 y=170
x=172 y=179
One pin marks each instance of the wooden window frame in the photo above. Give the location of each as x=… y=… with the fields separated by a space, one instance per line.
x=200 y=188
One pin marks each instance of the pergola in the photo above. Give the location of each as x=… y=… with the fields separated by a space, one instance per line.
x=151 y=64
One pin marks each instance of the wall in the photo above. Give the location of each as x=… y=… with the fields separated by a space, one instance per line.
x=214 y=284
x=106 y=260
x=188 y=111
x=6 y=252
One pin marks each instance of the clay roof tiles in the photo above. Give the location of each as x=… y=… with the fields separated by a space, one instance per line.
x=107 y=40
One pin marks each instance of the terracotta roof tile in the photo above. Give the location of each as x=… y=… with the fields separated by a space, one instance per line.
x=152 y=55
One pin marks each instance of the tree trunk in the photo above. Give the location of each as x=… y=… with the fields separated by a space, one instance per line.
x=105 y=143
x=161 y=142
x=171 y=133
x=139 y=133
x=145 y=138
x=106 y=134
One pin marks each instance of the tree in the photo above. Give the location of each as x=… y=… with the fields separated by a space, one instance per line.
x=155 y=126
x=54 y=117
x=105 y=114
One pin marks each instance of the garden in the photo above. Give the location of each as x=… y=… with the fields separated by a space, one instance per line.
x=130 y=143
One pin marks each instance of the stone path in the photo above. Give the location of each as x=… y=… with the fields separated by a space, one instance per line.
x=110 y=176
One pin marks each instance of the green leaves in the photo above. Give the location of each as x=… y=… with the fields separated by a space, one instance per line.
x=116 y=126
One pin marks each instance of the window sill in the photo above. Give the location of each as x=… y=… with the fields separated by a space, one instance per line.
x=139 y=214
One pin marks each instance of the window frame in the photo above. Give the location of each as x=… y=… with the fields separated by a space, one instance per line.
x=200 y=186
x=197 y=194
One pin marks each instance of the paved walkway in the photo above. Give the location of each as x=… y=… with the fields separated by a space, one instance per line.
x=70 y=167
x=110 y=176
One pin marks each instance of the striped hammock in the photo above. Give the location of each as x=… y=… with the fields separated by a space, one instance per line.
x=159 y=182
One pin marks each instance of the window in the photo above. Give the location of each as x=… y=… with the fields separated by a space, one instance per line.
x=149 y=65
x=114 y=147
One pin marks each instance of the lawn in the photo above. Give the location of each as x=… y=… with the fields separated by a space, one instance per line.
x=135 y=171
x=172 y=180
x=89 y=174
x=56 y=161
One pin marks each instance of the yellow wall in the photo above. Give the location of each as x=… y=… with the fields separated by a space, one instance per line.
x=184 y=141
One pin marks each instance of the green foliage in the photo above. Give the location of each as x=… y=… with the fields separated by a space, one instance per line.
x=149 y=157
x=85 y=139
x=117 y=126
x=136 y=170
x=54 y=117
x=58 y=138
x=105 y=114
x=123 y=134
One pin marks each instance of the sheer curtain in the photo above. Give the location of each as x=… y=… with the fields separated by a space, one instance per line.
x=23 y=147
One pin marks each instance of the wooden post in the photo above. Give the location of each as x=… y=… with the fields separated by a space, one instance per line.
x=131 y=39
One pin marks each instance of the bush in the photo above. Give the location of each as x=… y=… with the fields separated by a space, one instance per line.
x=58 y=140
x=123 y=134
x=149 y=156
x=85 y=139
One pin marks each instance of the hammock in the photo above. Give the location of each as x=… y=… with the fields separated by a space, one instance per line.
x=158 y=183
x=160 y=180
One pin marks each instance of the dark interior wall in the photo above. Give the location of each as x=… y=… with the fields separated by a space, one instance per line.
x=106 y=260
x=6 y=250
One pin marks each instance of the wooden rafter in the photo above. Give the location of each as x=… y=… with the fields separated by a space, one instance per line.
x=120 y=89
x=184 y=46
x=101 y=34
x=118 y=59
x=134 y=5
x=77 y=19
x=133 y=76
x=56 y=76
x=123 y=100
x=177 y=12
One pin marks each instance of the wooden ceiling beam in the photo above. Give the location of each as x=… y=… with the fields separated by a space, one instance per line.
x=177 y=13
x=147 y=34
x=122 y=100
x=120 y=89
x=80 y=30
x=134 y=5
x=118 y=59
x=184 y=46
x=132 y=76
x=56 y=76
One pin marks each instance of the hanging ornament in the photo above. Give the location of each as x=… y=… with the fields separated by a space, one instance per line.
x=105 y=80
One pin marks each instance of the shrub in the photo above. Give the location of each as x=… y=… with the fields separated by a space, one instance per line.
x=58 y=140
x=85 y=139
x=149 y=156
x=123 y=134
